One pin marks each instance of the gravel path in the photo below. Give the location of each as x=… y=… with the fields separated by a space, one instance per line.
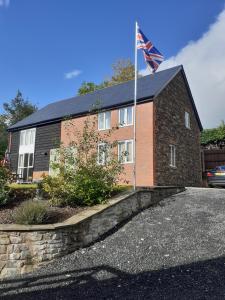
x=172 y=251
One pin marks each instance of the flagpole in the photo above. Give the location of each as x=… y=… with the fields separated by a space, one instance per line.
x=135 y=106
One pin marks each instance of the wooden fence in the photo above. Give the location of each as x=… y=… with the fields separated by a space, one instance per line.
x=212 y=158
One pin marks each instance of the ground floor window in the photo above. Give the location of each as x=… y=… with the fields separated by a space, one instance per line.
x=54 y=159
x=172 y=155
x=25 y=166
x=125 y=151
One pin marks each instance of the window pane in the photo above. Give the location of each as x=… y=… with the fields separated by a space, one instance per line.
x=101 y=121
x=32 y=137
x=31 y=160
x=122 y=151
x=129 y=116
x=107 y=120
x=21 y=160
x=26 y=159
x=101 y=154
x=30 y=174
x=22 y=138
x=122 y=116
x=129 y=152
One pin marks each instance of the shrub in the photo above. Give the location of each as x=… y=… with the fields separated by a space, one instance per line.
x=31 y=212
x=4 y=189
x=82 y=177
x=22 y=191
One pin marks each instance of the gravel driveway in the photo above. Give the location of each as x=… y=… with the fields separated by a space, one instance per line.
x=175 y=250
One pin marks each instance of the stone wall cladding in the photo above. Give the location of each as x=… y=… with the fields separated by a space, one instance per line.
x=170 y=107
x=23 y=248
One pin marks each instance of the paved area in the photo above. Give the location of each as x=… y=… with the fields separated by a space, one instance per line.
x=175 y=250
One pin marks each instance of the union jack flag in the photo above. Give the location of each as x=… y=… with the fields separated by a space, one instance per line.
x=152 y=56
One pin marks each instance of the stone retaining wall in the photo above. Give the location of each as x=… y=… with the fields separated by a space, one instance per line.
x=22 y=247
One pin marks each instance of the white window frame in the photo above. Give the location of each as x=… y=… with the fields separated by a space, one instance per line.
x=25 y=135
x=125 y=109
x=173 y=156
x=105 y=113
x=26 y=148
x=187 y=120
x=21 y=165
x=105 y=153
x=124 y=161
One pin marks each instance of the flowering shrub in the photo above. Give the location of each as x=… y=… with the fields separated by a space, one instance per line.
x=4 y=189
x=86 y=175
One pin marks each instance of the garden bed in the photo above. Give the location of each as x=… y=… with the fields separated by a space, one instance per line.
x=56 y=214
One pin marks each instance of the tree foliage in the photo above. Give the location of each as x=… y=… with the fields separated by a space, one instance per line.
x=213 y=135
x=123 y=70
x=3 y=137
x=18 y=109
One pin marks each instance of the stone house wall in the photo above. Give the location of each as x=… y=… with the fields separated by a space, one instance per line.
x=169 y=126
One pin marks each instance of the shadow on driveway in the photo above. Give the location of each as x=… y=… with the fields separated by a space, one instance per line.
x=199 y=280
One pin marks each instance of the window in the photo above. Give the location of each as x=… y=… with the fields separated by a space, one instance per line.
x=172 y=156
x=125 y=151
x=103 y=153
x=187 y=120
x=54 y=158
x=27 y=137
x=25 y=166
x=126 y=116
x=104 y=120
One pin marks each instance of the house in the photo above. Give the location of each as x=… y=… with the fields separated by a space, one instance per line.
x=167 y=130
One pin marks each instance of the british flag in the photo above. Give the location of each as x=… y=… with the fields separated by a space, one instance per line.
x=152 y=56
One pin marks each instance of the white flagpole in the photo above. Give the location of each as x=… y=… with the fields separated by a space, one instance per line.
x=135 y=105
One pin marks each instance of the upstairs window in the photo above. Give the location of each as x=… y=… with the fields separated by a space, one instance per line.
x=27 y=137
x=104 y=120
x=125 y=151
x=187 y=120
x=126 y=116
x=172 y=156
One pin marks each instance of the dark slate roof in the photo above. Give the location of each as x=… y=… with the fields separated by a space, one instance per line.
x=148 y=87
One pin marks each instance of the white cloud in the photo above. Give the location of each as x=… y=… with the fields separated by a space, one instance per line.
x=4 y=3
x=72 y=74
x=204 y=64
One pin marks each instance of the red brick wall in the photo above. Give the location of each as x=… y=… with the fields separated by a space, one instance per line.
x=144 y=145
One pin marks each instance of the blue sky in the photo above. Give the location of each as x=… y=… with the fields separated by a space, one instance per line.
x=43 y=40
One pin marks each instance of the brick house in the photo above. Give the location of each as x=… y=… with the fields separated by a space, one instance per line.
x=167 y=130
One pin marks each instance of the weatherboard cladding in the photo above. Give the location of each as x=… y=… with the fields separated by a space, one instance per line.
x=117 y=95
x=14 y=150
x=47 y=137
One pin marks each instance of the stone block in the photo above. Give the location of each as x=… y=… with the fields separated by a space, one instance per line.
x=3 y=249
x=4 y=241
x=15 y=239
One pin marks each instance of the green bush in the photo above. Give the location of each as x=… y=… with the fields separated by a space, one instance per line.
x=22 y=191
x=83 y=178
x=4 y=189
x=31 y=212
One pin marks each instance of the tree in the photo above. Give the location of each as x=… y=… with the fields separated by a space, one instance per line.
x=18 y=109
x=87 y=87
x=123 y=70
x=213 y=135
x=3 y=137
